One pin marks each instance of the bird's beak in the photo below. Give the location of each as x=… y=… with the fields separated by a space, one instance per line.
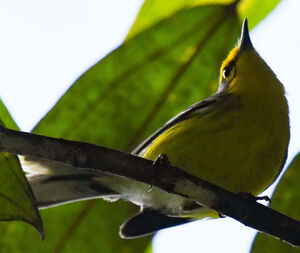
x=245 y=42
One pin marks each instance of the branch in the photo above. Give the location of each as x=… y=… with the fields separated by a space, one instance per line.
x=170 y=179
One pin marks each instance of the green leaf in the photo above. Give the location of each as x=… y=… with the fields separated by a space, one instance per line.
x=16 y=198
x=17 y=202
x=285 y=200
x=256 y=10
x=154 y=75
x=153 y=11
x=149 y=249
x=6 y=118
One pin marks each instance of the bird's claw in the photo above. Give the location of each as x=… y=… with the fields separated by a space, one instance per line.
x=160 y=162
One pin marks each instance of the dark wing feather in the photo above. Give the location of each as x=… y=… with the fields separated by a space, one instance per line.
x=148 y=222
x=187 y=113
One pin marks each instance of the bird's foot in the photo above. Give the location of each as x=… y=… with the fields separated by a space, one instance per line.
x=160 y=162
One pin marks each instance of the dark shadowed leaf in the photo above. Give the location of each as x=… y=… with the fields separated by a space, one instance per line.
x=285 y=200
x=155 y=74
x=17 y=202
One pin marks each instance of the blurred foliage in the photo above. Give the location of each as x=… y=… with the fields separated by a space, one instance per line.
x=285 y=200
x=169 y=62
x=17 y=202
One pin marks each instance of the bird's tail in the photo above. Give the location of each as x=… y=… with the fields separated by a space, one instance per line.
x=55 y=183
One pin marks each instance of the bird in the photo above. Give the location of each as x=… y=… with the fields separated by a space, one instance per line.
x=237 y=139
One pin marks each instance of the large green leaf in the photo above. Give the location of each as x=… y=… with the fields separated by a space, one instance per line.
x=17 y=202
x=285 y=200
x=169 y=65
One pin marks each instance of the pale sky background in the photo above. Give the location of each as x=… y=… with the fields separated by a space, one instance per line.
x=46 y=45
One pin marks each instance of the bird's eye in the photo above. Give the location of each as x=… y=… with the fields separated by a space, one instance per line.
x=226 y=72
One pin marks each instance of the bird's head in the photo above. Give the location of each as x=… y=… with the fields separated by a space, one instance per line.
x=244 y=71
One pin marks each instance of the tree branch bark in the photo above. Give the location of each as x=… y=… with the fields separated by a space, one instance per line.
x=170 y=179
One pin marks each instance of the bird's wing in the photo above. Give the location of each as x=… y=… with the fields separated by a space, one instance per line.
x=201 y=107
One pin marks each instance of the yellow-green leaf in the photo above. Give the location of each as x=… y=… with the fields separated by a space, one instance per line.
x=153 y=11
x=6 y=118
